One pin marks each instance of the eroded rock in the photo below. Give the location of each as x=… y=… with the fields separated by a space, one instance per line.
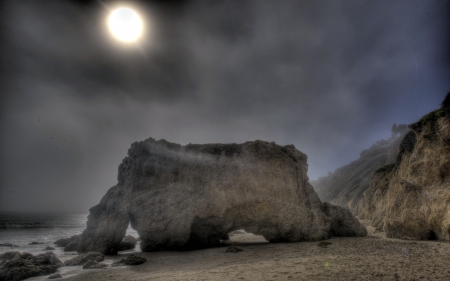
x=18 y=266
x=410 y=200
x=66 y=241
x=189 y=197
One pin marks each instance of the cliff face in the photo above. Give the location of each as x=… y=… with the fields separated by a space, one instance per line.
x=347 y=185
x=411 y=198
x=188 y=197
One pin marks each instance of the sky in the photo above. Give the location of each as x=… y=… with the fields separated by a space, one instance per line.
x=330 y=77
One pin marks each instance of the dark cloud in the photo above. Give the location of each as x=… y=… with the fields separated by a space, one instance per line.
x=329 y=77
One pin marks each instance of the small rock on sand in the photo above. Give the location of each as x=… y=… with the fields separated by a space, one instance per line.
x=130 y=260
x=233 y=249
x=324 y=244
x=36 y=243
x=48 y=248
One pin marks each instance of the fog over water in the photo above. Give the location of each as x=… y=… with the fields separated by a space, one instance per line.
x=330 y=77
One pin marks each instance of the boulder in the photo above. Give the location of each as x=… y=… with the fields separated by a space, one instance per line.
x=36 y=243
x=94 y=265
x=130 y=260
x=188 y=197
x=128 y=243
x=48 y=248
x=20 y=266
x=13 y=254
x=82 y=259
x=343 y=223
x=55 y=276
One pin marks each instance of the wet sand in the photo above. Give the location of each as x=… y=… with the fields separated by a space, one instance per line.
x=368 y=258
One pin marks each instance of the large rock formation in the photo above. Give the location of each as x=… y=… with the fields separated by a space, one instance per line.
x=411 y=198
x=187 y=197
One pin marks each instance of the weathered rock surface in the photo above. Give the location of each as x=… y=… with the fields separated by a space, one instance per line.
x=84 y=258
x=188 y=197
x=69 y=244
x=411 y=199
x=130 y=260
x=18 y=266
x=408 y=197
x=343 y=223
x=128 y=243
x=348 y=185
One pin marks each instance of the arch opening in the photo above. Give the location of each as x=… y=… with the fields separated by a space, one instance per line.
x=240 y=236
x=432 y=236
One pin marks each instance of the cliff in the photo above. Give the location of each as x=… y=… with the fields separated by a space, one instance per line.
x=411 y=198
x=346 y=186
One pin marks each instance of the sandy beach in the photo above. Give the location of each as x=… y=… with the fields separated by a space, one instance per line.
x=368 y=258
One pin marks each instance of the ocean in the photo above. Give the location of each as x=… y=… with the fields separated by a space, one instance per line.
x=21 y=229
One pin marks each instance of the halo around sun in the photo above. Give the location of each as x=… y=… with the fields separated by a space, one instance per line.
x=125 y=24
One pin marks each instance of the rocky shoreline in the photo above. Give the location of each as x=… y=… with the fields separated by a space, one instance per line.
x=16 y=265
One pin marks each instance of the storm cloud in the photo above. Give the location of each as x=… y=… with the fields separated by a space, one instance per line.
x=330 y=77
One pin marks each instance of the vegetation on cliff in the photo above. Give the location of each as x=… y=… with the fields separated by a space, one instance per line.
x=346 y=186
x=408 y=198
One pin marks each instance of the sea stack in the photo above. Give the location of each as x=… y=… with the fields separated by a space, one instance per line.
x=188 y=197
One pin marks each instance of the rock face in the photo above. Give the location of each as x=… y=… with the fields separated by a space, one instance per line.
x=411 y=198
x=18 y=266
x=188 y=197
x=408 y=197
x=69 y=244
x=348 y=185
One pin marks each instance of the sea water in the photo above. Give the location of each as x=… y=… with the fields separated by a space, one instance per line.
x=21 y=229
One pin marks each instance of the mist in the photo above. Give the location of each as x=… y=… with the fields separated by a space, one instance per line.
x=330 y=77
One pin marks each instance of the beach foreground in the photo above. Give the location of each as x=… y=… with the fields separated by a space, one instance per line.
x=362 y=258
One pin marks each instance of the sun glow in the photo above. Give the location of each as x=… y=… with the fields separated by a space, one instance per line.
x=125 y=24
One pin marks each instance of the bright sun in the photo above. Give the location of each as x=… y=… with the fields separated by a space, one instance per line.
x=125 y=24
